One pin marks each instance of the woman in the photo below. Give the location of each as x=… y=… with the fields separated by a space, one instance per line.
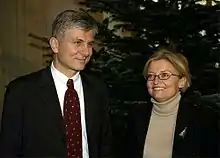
x=173 y=124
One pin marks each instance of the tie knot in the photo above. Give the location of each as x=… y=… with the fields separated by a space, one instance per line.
x=70 y=83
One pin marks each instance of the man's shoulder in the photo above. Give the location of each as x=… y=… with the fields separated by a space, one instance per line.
x=91 y=79
x=26 y=79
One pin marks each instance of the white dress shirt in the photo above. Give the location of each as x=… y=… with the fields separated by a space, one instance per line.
x=60 y=81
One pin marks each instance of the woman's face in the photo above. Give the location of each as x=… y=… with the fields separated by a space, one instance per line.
x=167 y=84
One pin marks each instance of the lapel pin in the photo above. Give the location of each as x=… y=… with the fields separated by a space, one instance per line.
x=183 y=133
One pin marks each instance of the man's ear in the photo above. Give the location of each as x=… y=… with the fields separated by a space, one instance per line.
x=182 y=82
x=54 y=44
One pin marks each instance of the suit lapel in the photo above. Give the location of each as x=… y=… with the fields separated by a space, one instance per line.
x=90 y=102
x=48 y=94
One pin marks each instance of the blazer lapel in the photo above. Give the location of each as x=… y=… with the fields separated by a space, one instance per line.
x=143 y=118
x=48 y=94
x=184 y=117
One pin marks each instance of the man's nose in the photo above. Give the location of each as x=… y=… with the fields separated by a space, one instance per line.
x=86 y=49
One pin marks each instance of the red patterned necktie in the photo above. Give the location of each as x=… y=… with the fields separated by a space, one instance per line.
x=72 y=122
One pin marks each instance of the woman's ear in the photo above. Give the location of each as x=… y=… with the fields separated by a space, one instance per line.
x=182 y=82
x=54 y=44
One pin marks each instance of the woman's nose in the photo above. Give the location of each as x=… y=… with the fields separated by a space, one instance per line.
x=156 y=80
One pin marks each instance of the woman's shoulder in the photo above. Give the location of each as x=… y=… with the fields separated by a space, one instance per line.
x=201 y=108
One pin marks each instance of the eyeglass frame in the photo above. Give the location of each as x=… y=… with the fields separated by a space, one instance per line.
x=158 y=76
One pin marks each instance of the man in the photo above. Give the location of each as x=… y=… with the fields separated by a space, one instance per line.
x=37 y=120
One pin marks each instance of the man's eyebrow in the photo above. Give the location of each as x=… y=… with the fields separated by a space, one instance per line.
x=78 y=39
x=91 y=42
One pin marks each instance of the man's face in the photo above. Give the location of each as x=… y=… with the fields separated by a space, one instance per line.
x=72 y=50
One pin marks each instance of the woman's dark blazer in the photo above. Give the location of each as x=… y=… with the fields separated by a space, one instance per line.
x=196 y=132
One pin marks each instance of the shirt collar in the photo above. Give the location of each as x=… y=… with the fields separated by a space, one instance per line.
x=61 y=77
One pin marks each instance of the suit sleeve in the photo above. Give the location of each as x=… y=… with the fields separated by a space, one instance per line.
x=11 y=125
x=106 y=132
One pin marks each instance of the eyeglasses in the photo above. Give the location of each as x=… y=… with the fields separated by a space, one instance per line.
x=161 y=76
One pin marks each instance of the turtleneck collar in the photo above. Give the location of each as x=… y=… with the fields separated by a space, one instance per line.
x=166 y=108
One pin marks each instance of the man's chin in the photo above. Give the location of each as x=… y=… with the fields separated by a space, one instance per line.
x=79 y=68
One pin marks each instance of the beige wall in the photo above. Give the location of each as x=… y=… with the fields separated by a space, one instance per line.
x=19 y=18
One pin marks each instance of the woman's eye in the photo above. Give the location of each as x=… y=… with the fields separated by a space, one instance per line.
x=150 y=76
x=164 y=75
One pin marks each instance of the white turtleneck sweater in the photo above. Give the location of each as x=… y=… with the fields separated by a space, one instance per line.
x=159 y=139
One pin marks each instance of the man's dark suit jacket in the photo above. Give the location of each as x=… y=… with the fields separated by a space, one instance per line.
x=196 y=133
x=32 y=123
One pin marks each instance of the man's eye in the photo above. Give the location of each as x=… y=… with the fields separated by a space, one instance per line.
x=90 y=44
x=77 y=42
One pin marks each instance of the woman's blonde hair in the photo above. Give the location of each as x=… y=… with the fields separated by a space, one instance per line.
x=179 y=62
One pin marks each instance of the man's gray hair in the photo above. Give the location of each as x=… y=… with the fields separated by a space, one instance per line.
x=73 y=19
